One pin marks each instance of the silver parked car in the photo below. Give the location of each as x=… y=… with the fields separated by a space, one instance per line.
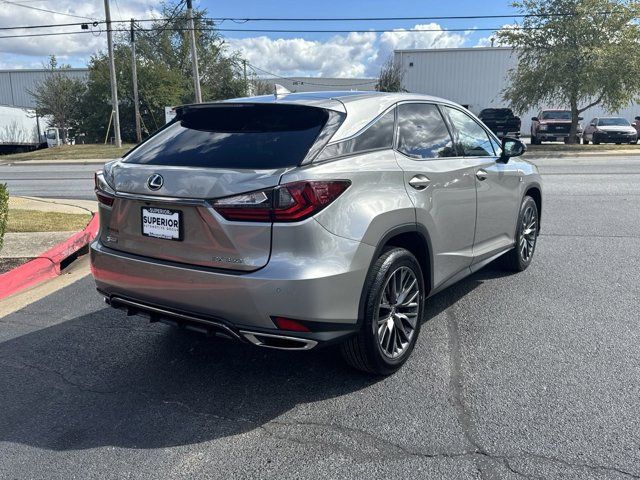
x=300 y=220
x=610 y=130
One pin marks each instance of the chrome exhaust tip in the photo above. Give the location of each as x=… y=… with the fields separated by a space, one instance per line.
x=278 y=342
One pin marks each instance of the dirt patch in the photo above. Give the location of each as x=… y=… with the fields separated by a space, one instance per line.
x=7 y=264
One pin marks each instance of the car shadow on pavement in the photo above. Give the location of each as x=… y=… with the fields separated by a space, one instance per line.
x=103 y=379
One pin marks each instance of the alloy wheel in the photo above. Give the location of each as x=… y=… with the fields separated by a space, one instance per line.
x=398 y=312
x=528 y=233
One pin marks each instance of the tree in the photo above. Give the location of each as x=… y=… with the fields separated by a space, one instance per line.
x=258 y=86
x=391 y=77
x=59 y=96
x=164 y=73
x=578 y=53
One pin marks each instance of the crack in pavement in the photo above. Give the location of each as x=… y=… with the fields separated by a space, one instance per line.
x=484 y=461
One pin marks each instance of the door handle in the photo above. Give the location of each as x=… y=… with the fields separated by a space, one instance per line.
x=419 y=182
x=481 y=175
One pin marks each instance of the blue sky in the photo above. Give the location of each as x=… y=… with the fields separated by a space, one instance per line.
x=361 y=8
x=289 y=54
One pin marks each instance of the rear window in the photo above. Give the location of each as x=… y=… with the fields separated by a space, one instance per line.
x=613 y=122
x=244 y=136
x=496 y=112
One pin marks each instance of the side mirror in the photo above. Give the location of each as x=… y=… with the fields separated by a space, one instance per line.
x=580 y=119
x=534 y=119
x=593 y=124
x=511 y=147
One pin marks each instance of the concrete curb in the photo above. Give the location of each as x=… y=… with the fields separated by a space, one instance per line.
x=561 y=154
x=47 y=265
x=56 y=162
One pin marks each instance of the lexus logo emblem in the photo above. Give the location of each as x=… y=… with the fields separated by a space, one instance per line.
x=155 y=182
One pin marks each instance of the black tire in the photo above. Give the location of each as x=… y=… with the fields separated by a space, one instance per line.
x=534 y=140
x=585 y=141
x=596 y=142
x=514 y=260
x=363 y=351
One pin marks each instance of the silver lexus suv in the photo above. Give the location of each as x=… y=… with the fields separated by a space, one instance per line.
x=302 y=220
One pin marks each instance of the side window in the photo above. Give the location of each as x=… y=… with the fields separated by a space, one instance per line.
x=473 y=141
x=422 y=132
x=378 y=135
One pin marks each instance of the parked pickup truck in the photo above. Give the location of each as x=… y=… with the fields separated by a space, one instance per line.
x=501 y=121
x=552 y=126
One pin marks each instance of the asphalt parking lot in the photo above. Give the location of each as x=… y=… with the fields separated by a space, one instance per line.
x=534 y=375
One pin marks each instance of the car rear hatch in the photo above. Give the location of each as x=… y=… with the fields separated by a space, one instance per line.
x=164 y=188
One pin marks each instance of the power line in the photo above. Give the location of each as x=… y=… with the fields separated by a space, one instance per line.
x=45 y=10
x=51 y=34
x=174 y=14
x=385 y=30
x=181 y=29
x=374 y=19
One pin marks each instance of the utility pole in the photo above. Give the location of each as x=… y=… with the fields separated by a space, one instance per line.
x=194 y=52
x=246 y=85
x=134 y=75
x=112 y=74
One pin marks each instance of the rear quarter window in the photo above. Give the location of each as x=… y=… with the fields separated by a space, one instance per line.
x=236 y=136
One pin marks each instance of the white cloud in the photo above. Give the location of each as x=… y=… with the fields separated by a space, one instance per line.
x=401 y=39
x=349 y=55
x=340 y=56
x=486 y=41
x=352 y=55
x=70 y=46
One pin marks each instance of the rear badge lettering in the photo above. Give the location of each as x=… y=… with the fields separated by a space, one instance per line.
x=227 y=260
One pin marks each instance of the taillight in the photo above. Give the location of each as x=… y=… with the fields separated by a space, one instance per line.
x=291 y=202
x=104 y=192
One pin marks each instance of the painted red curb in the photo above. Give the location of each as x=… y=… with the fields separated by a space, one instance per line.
x=47 y=265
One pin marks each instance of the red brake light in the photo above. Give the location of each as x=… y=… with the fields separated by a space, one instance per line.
x=289 y=324
x=291 y=202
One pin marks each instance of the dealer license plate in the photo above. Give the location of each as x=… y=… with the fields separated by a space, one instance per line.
x=162 y=223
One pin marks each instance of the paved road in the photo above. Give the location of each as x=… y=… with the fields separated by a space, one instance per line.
x=534 y=375
x=76 y=181
x=51 y=181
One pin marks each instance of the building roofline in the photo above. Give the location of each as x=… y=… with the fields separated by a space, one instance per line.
x=463 y=49
x=31 y=70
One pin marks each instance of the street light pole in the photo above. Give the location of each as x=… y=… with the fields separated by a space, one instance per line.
x=134 y=75
x=112 y=74
x=194 y=52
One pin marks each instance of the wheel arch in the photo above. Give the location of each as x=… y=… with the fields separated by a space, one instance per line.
x=534 y=191
x=412 y=237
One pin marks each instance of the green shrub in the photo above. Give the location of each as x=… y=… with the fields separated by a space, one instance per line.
x=4 y=211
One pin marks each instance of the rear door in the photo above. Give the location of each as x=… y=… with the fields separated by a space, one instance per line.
x=441 y=185
x=497 y=185
x=165 y=186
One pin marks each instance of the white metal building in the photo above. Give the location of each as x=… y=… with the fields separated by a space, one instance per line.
x=475 y=78
x=324 y=84
x=16 y=84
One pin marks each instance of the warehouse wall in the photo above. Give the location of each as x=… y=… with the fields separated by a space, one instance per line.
x=16 y=84
x=323 y=84
x=475 y=77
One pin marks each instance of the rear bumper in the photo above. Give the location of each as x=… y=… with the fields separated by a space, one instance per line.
x=553 y=136
x=320 y=288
